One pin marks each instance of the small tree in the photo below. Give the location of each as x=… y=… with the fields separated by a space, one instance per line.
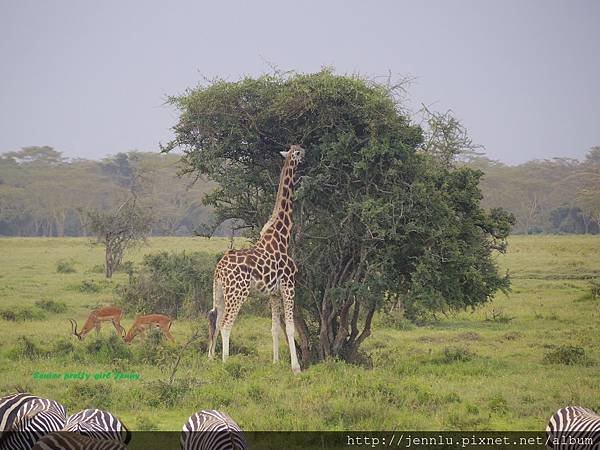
x=376 y=215
x=117 y=230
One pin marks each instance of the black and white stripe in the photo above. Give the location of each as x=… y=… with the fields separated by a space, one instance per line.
x=98 y=424
x=24 y=418
x=74 y=441
x=212 y=430
x=574 y=427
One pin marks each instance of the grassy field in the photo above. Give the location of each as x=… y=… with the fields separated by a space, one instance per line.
x=502 y=367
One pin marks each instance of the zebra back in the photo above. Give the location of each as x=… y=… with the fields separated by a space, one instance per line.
x=74 y=441
x=574 y=427
x=98 y=424
x=33 y=418
x=212 y=430
x=12 y=404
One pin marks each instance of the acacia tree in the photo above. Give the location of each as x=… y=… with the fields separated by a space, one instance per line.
x=375 y=216
x=127 y=225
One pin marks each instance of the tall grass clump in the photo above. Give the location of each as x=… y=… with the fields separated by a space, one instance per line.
x=568 y=355
x=51 y=306
x=64 y=266
x=22 y=313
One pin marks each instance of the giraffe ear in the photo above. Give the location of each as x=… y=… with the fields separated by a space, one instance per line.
x=284 y=154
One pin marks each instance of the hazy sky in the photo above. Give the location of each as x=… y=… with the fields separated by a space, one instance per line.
x=90 y=77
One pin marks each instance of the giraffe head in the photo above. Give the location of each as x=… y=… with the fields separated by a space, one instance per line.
x=295 y=155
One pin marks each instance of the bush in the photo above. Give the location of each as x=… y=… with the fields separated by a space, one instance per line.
x=26 y=349
x=98 y=268
x=177 y=284
x=161 y=394
x=91 y=286
x=395 y=319
x=64 y=266
x=566 y=354
x=108 y=349
x=62 y=347
x=81 y=395
x=51 y=306
x=21 y=313
x=456 y=354
x=153 y=350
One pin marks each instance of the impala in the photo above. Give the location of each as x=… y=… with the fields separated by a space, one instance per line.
x=96 y=317
x=142 y=323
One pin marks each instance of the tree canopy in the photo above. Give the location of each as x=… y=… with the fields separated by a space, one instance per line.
x=377 y=215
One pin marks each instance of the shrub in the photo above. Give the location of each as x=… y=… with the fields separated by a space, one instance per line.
x=127 y=267
x=161 y=393
x=456 y=354
x=21 y=313
x=51 y=306
x=177 y=284
x=26 y=349
x=91 y=286
x=498 y=316
x=498 y=404
x=98 y=268
x=108 y=349
x=81 y=395
x=395 y=319
x=153 y=350
x=62 y=347
x=64 y=266
x=566 y=354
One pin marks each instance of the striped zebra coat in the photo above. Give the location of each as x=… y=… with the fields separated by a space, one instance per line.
x=574 y=427
x=98 y=424
x=74 y=441
x=25 y=418
x=212 y=430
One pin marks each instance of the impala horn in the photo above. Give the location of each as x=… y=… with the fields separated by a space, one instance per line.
x=74 y=329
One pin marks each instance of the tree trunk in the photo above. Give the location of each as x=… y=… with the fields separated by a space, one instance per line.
x=109 y=262
x=303 y=334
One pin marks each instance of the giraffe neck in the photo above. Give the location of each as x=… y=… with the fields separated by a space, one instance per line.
x=279 y=225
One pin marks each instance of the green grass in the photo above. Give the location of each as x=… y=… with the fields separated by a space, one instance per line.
x=506 y=366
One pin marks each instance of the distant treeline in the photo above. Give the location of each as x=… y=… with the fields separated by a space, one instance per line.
x=44 y=194
x=560 y=195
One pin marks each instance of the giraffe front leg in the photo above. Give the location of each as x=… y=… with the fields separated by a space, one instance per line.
x=225 y=333
x=275 y=326
x=287 y=292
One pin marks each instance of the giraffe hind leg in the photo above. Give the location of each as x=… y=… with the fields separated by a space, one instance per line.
x=233 y=303
x=275 y=326
x=214 y=317
x=287 y=292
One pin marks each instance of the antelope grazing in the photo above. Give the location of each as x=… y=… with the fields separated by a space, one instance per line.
x=142 y=323
x=96 y=317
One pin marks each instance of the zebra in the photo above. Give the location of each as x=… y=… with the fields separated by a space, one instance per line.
x=212 y=430
x=98 y=424
x=24 y=418
x=62 y=440
x=574 y=427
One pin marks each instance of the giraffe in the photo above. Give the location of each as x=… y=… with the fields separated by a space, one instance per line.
x=266 y=268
